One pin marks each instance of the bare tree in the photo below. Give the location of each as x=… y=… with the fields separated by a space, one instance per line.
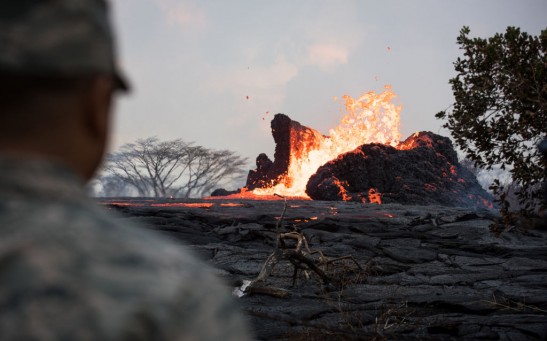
x=208 y=169
x=172 y=168
x=108 y=185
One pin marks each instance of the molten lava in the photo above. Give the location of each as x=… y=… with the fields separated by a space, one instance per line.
x=371 y=118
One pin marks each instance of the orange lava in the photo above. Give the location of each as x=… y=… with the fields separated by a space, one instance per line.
x=181 y=204
x=374 y=196
x=252 y=195
x=231 y=204
x=124 y=204
x=370 y=118
x=487 y=203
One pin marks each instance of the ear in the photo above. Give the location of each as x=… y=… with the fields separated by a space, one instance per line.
x=98 y=105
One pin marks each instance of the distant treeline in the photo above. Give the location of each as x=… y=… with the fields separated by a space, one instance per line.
x=153 y=168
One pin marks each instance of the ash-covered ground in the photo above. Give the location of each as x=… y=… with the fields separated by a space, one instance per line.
x=427 y=272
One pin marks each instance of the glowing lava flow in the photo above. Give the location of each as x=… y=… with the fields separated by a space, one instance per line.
x=371 y=118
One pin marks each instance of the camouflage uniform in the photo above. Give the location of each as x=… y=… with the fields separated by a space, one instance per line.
x=57 y=37
x=69 y=271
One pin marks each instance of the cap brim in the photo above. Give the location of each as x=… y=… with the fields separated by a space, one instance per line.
x=121 y=82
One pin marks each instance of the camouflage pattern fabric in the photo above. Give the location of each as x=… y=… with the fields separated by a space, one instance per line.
x=57 y=37
x=70 y=271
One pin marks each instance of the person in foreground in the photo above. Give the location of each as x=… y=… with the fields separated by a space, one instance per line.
x=68 y=270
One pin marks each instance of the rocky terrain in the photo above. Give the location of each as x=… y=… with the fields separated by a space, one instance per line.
x=417 y=272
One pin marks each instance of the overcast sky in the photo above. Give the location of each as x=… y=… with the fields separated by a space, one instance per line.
x=209 y=71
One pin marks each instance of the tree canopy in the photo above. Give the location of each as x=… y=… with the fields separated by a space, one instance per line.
x=499 y=116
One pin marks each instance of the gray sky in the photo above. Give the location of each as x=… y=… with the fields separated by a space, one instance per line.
x=193 y=63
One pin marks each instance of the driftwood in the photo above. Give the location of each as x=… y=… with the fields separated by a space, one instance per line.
x=300 y=256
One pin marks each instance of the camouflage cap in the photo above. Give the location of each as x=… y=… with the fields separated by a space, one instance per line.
x=57 y=37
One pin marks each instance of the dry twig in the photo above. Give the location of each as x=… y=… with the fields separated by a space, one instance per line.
x=513 y=305
x=299 y=256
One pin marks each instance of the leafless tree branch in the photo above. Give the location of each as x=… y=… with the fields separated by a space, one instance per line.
x=172 y=168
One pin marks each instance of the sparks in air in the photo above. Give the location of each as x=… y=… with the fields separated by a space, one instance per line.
x=370 y=118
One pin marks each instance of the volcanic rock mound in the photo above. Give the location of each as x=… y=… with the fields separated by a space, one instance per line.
x=422 y=170
x=291 y=139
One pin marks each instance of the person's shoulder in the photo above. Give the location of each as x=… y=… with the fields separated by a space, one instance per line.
x=90 y=228
x=164 y=275
x=129 y=273
x=80 y=230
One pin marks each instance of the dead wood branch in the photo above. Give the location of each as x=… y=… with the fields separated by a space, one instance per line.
x=280 y=220
x=327 y=262
x=512 y=305
x=299 y=255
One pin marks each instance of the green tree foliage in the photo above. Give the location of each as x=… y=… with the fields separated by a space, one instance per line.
x=499 y=115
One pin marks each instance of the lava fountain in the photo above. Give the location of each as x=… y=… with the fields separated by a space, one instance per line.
x=370 y=118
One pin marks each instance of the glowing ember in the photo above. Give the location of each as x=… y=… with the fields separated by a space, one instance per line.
x=371 y=118
x=374 y=196
x=123 y=204
x=252 y=195
x=180 y=204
